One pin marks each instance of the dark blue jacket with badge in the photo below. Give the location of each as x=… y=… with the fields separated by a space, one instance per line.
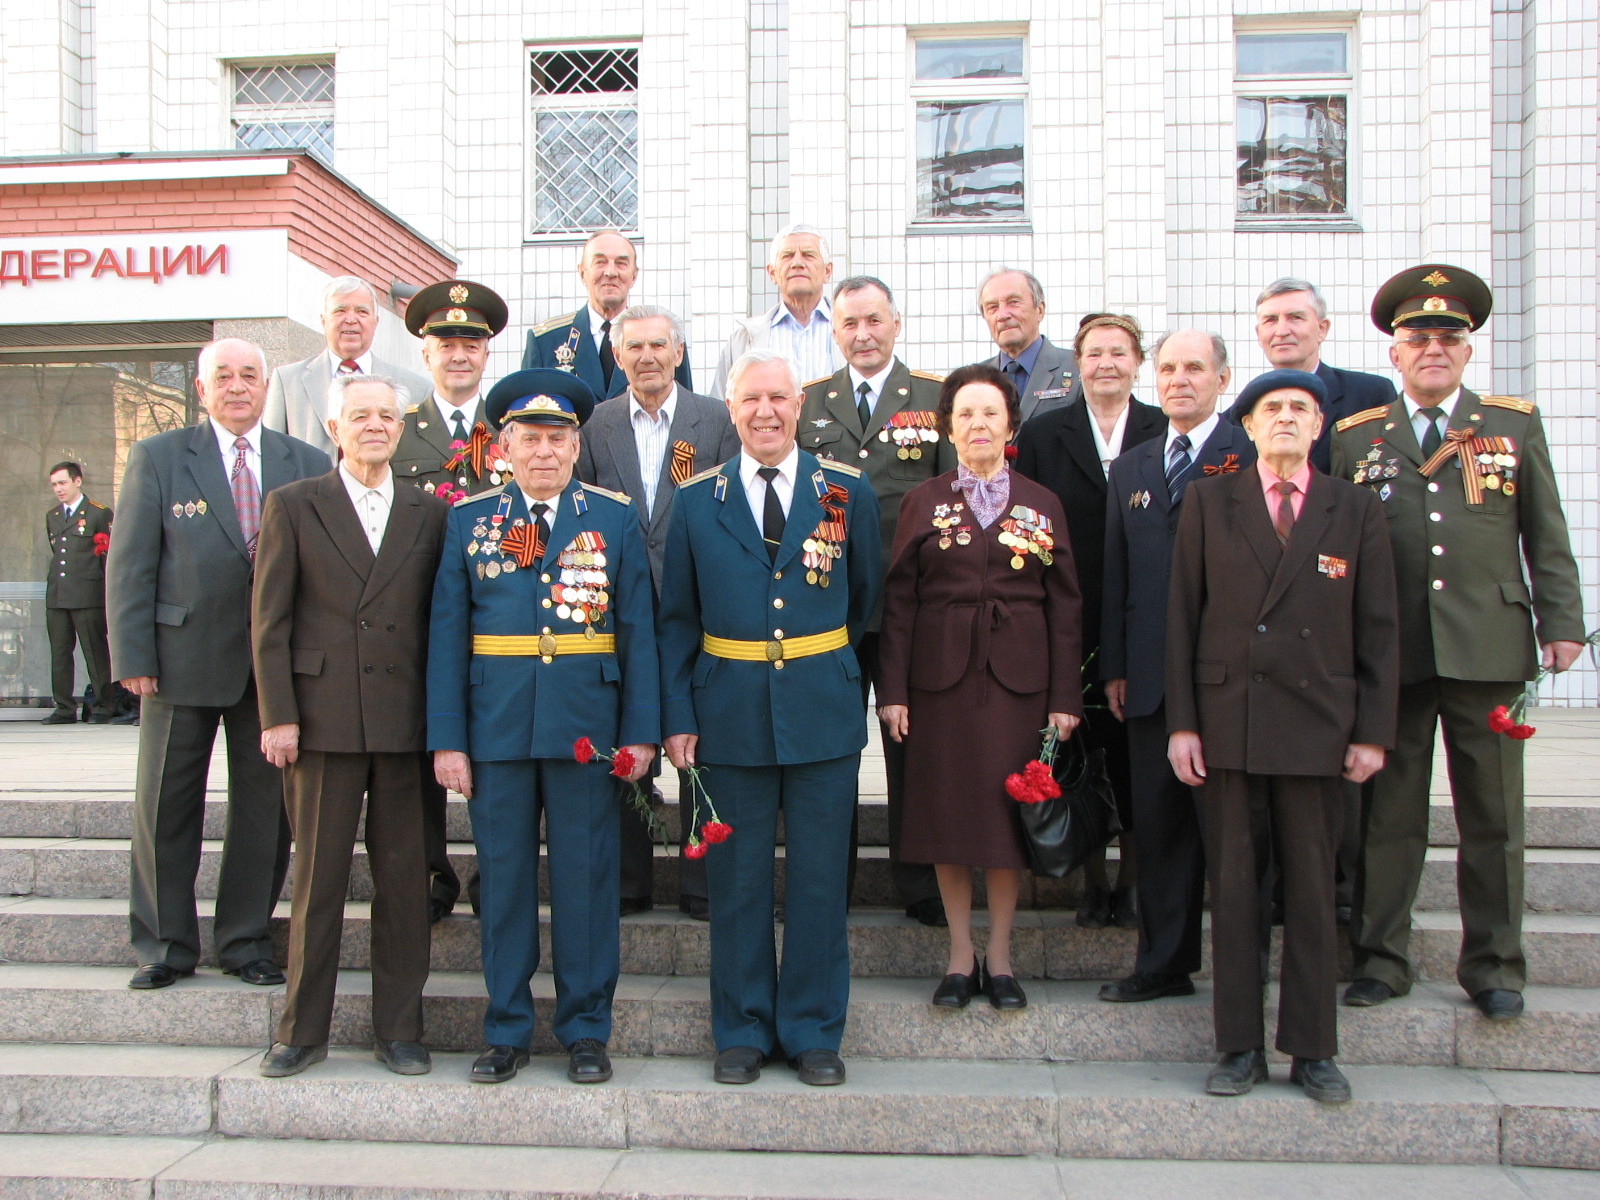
x=565 y=345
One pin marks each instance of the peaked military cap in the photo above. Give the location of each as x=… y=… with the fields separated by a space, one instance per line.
x=540 y=396
x=456 y=308
x=1432 y=296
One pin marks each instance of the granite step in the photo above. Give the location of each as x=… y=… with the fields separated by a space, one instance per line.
x=669 y=1016
x=889 y=1107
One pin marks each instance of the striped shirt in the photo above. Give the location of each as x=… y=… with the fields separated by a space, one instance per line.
x=650 y=437
x=811 y=346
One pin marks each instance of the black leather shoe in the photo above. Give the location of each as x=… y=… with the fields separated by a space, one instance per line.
x=56 y=718
x=1236 y=1074
x=127 y=718
x=438 y=910
x=1321 y=1079
x=156 y=975
x=1368 y=993
x=1498 y=1004
x=588 y=1062
x=1125 y=908
x=284 y=1060
x=498 y=1064
x=1005 y=992
x=262 y=972
x=1144 y=986
x=100 y=718
x=928 y=912
x=819 y=1068
x=629 y=905
x=403 y=1058
x=738 y=1064
x=1094 y=910
x=696 y=908
x=957 y=991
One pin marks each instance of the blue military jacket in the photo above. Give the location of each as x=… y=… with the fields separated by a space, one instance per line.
x=719 y=581
x=566 y=345
x=499 y=707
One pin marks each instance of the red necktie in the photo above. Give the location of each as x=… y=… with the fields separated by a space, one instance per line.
x=349 y=366
x=1285 y=520
x=246 y=496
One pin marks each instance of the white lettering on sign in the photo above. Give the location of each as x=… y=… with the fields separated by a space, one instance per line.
x=160 y=262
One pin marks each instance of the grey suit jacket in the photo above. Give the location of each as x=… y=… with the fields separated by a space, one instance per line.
x=609 y=457
x=1054 y=382
x=179 y=574
x=297 y=397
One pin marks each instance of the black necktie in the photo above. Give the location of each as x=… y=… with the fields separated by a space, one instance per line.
x=1014 y=370
x=608 y=361
x=1178 y=461
x=540 y=530
x=864 y=404
x=1432 y=439
x=771 y=513
x=460 y=430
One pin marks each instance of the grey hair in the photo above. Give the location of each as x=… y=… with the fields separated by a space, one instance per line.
x=207 y=358
x=343 y=286
x=1034 y=285
x=1219 y=348
x=860 y=283
x=755 y=358
x=647 y=312
x=341 y=384
x=583 y=255
x=797 y=227
x=1282 y=287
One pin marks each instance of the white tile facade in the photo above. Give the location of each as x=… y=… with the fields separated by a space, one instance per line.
x=1473 y=140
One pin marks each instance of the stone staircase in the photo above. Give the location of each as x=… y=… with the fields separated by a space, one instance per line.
x=109 y=1092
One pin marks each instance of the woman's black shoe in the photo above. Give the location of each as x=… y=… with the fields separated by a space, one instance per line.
x=955 y=991
x=1004 y=991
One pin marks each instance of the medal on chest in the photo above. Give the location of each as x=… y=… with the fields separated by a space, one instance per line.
x=583 y=589
x=1027 y=531
x=945 y=517
x=908 y=431
x=826 y=542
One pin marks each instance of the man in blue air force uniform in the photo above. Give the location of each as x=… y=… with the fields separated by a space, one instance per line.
x=542 y=635
x=771 y=575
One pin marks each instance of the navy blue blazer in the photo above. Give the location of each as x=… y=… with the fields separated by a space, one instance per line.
x=1348 y=392
x=720 y=581
x=544 y=340
x=1138 y=564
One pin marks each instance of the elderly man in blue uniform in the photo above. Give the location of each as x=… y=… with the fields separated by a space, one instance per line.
x=542 y=636
x=771 y=575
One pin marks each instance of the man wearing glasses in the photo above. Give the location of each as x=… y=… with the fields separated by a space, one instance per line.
x=1470 y=496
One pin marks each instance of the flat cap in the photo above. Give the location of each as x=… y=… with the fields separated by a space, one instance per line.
x=1274 y=381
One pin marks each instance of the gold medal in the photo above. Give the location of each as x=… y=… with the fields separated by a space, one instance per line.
x=1016 y=562
x=944 y=542
x=492 y=569
x=811 y=576
x=822 y=579
x=509 y=566
x=902 y=453
x=1509 y=489
x=588 y=632
x=480 y=570
x=915 y=452
x=963 y=538
x=472 y=547
x=1492 y=482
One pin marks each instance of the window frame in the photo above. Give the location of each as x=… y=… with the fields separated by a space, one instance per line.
x=269 y=116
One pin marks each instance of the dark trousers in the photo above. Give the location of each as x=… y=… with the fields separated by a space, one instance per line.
x=638 y=851
x=1172 y=861
x=1486 y=788
x=86 y=627
x=913 y=882
x=800 y=1006
x=324 y=796
x=579 y=805
x=1294 y=820
x=168 y=817
x=443 y=884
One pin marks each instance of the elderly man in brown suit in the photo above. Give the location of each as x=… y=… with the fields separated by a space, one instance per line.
x=344 y=581
x=1283 y=670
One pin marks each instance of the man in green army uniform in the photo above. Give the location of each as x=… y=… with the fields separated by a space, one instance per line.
x=79 y=530
x=1470 y=496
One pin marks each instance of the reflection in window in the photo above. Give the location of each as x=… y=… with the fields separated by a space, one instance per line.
x=970 y=159
x=284 y=106
x=969 y=58
x=585 y=110
x=1292 y=155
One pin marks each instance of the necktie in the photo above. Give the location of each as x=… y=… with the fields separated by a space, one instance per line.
x=1284 y=521
x=540 y=530
x=459 y=429
x=1014 y=373
x=864 y=404
x=246 y=496
x=608 y=361
x=1432 y=439
x=1178 y=461
x=349 y=366
x=771 y=513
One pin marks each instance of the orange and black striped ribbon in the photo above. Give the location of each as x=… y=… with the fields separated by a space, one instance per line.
x=1458 y=444
x=682 y=461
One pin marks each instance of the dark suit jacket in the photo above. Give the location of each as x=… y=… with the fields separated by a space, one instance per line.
x=178 y=585
x=609 y=457
x=1053 y=384
x=77 y=575
x=545 y=340
x=1281 y=657
x=1057 y=450
x=341 y=635
x=1133 y=620
x=1348 y=392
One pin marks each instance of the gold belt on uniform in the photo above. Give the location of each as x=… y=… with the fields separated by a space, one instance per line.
x=777 y=649
x=546 y=645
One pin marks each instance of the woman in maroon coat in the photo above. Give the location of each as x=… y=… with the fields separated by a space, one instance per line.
x=980 y=650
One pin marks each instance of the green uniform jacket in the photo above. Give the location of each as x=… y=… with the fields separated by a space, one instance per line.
x=77 y=576
x=425 y=448
x=1465 y=602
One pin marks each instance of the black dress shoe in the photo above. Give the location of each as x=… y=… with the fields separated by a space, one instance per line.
x=1125 y=908
x=1498 y=1004
x=284 y=1060
x=262 y=972
x=1005 y=993
x=1142 y=985
x=156 y=975
x=57 y=718
x=499 y=1063
x=1368 y=993
x=696 y=908
x=403 y=1058
x=957 y=991
x=1236 y=1074
x=1094 y=910
x=629 y=905
x=738 y=1064
x=928 y=912
x=438 y=910
x=100 y=719
x=819 y=1068
x=126 y=718
x=588 y=1062
x=1321 y=1079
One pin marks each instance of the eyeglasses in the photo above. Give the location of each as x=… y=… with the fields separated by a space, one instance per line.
x=1449 y=339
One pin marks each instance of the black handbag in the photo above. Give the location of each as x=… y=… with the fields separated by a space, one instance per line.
x=1064 y=831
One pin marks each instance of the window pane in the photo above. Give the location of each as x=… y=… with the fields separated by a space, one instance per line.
x=969 y=159
x=969 y=58
x=585 y=72
x=586 y=167
x=1291 y=154
x=315 y=136
x=284 y=83
x=1294 y=53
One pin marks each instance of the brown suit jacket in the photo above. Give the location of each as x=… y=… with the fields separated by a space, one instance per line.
x=340 y=635
x=1281 y=657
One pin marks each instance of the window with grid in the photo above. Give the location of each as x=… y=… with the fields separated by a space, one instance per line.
x=584 y=130
x=281 y=106
x=1293 y=91
x=970 y=95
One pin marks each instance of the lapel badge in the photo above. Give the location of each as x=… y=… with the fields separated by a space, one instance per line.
x=1385 y=492
x=1333 y=568
x=420 y=425
x=177 y=510
x=1388 y=426
x=200 y=507
x=905 y=391
x=822 y=422
x=833 y=395
x=720 y=488
x=188 y=509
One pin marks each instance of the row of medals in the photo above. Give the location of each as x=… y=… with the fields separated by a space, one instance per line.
x=1371 y=469
x=489 y=547
x=581 y=595
x=820 y=550
x=908 y=440
x=944 y=519
x=1026 y=531
x=1495 y=472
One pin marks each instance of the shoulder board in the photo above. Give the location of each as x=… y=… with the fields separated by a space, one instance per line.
x=619 y=497
x=96 y=504
x=1512 y=402
x=700 y=478
x=1361 y=418
x=491 y=494
x=553 y=323
x=927 y=375
x=829 y=464
x=805 y=387
x=413 y=408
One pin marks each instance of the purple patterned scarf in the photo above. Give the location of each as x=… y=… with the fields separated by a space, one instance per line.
x=987 y=498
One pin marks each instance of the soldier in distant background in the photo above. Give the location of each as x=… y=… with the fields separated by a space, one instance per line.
x=79 y=530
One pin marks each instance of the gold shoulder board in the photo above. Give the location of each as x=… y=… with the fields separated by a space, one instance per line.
x=491 y=494
x=608 y=493
x=806 y=387
x=96 y=504
x=553 y=323
x=1361 y=418
x=1515 y=404
x=829 y=464
x=704 y=475
x=412 y=409
x=927 y=375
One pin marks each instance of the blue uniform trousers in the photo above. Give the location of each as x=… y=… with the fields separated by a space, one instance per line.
x=581 y=824
x=753 y=1003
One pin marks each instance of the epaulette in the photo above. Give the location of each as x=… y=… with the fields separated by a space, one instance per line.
x=1361 y=418
x=813 y=383
x=492 y=493
x=927 y=375
x=843 y=468
x=553 y=323
x=1514 y=403
x=96 y=504
x=619 y=497
x=412 y=409
x=704 y=475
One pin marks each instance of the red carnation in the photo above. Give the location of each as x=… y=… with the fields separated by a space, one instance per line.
x=695 y=850
x=1011 y=451
x=1048 y=788
x=1500 y=720
x=622 y=763
x=458 y=445
x=715 y=831
x=1521 y=732
x=583 y=750
x=102 y=543
x=1022 y=790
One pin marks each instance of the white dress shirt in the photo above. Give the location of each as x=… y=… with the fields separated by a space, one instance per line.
x=1420 y=423
x=596 y=319
x=372 y=505
x=651 y=441
x=810 y=346
x=364 y=361
x=68 y=509
x=874 y=384
x=468 y=411
x=1109 y=448
x=252 y=456
x=755 y=487
x=1198 y=437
